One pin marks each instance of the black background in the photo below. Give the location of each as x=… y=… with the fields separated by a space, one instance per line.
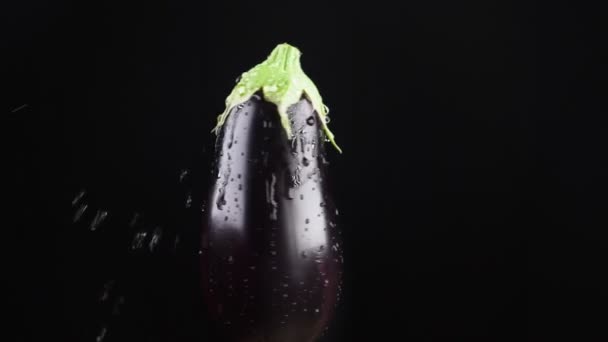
x=472 y=185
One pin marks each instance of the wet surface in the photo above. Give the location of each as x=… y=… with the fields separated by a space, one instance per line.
x=271 y=250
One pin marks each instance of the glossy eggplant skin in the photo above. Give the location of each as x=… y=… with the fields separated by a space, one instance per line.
x=271 y=256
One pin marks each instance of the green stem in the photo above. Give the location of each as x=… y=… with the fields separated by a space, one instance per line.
x=283 y=82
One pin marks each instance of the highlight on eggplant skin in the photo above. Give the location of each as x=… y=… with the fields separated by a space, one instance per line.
x=271 y=257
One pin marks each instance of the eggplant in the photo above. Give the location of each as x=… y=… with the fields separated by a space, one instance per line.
x=272 y=255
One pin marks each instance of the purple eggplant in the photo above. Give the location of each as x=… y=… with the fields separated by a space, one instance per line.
x=271 y=256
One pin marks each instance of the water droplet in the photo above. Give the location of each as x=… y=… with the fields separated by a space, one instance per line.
x=175 y=242
x=327 y=119
x=225 y=218
x=100 y=216
x=322 y=204
x=183 y=174
x=231 y=260
x=311 y=120
x=158 y=232
x=273 y=252
x=252 y=268
x=285 y=295
x=134 y=220
x=301 y=196
x=79 y=212
x=78 y=197
x=188 y=201
x=307 y=221
x=203 y=208
x=117 y=305
x=240 y=187
x=316 y=310
x=241 y=90
x=321 y=248
x=107 y=287
x=221 y=200
x=305 y=161
x=102 y=334
x=138 y=240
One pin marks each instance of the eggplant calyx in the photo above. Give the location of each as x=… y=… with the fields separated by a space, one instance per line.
x=282 y=81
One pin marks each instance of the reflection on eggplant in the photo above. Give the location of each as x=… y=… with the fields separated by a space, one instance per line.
x=271 y=253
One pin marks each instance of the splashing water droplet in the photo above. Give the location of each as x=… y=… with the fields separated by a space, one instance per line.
x=158 y=232
x=188 y=201
x=78 y=197
x=79 y=212
x=117 y=305
x=134 y=220
x=138 y=240
x=175 y=243
x=100 y=216
x=183 y=174
x=102 y=334
x=107 y=287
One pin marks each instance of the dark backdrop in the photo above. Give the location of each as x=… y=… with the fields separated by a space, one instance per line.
x=472 y=185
